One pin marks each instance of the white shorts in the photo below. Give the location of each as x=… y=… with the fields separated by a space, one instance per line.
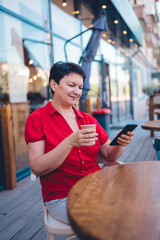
x=58 y=209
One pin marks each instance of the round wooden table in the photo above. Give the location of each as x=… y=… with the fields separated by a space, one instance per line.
x=117 y=203
x=153 y=125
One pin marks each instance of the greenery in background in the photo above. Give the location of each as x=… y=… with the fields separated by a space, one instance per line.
x=150 y=89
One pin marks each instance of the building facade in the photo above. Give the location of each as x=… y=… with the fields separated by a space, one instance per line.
x=33 y=36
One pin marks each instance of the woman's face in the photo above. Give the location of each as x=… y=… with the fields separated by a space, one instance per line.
x=69 y=89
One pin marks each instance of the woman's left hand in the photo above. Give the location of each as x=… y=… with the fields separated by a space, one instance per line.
x=125 y=139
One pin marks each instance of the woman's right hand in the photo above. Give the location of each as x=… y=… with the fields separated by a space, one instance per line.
x=85 y=137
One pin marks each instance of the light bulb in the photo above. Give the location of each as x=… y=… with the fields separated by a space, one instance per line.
x=64 y=4
x=30 y=62
x=116 y=21
x=104 y=6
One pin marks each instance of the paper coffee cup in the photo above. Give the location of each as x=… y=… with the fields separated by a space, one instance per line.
x=88 y=126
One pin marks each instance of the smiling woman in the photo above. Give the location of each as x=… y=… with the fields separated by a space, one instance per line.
x=59 y=151
x=68 y=91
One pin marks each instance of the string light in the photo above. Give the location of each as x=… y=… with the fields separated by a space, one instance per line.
x=124 y=32
x=109 y=40
x=64 y=4
x=91 y=26
x=34 y=77
x=30 y=62
x=113 y=42
x=76 y=12
x=104 y=6
x=116 y=21
x=104 y=35
x=131 y=40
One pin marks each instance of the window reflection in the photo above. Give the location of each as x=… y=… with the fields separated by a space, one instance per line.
x=4 y=96
x=24 y=68
x=36 y=11
x=95 y=83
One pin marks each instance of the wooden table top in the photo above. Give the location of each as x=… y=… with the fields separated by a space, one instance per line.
x=151 y=125
x=120 y=202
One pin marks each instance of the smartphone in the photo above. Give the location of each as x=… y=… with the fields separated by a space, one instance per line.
x=127 y=128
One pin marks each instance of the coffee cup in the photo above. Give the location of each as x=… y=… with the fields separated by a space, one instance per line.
x=88 y=126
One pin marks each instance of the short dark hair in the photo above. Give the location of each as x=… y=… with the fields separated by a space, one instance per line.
x=61 y=69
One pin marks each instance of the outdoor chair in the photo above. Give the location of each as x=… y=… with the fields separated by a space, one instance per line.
x=53 y=226
x=156 y=145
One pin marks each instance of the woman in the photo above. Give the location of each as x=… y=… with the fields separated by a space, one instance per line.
x=59 y=152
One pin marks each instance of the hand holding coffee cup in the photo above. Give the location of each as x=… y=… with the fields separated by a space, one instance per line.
x=89 y=132
x=87 y=136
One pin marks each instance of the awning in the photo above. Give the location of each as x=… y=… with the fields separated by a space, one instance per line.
x=122 y=11
x=130 y=18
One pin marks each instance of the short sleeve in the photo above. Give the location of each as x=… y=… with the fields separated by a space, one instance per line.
x=34 y=129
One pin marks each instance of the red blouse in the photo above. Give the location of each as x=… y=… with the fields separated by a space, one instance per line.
x=49 y=125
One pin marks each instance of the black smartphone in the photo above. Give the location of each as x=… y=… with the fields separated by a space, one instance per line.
x=127 y=128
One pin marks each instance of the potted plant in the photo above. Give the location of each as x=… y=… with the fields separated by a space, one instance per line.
x=151 y=89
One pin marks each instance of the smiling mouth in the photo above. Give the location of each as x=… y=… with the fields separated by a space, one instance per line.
x=73 y=97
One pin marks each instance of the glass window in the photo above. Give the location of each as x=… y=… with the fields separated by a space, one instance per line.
x=95 y=84
x=73 y=52
x=109 y=52
x=123 y=92
x=85 y=37
x=65 y=25
x=120 y=89
x=36 y=11
x=58 y=46
x=114 y=91
x=134 y=80
x=24 y=68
